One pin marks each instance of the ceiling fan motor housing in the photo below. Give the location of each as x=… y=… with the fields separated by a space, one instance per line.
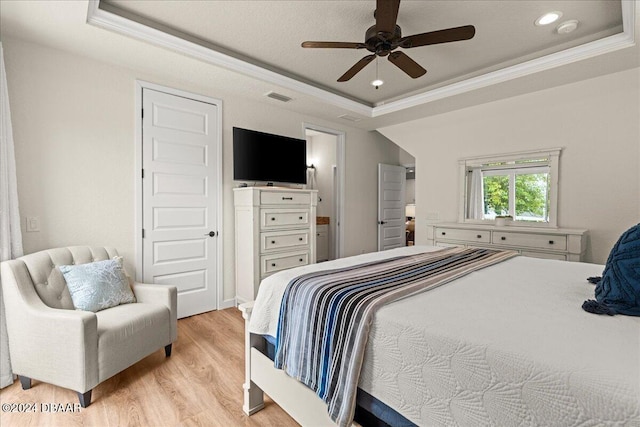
x=382 y=43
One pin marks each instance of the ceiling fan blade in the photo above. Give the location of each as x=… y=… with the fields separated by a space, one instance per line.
x=406 y=64
x=386 y=15
x=435 y=37
x=334 y=45
x=356 y=68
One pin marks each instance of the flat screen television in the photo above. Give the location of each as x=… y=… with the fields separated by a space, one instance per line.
x=259 y=156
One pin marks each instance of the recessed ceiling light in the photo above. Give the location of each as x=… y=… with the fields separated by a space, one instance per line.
x=548 y=18
x=567 y=26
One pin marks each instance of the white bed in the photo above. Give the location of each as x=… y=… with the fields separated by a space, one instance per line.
x=506 y=345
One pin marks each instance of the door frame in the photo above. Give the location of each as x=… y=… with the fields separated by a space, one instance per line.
x=139 y=86
x=339 y=199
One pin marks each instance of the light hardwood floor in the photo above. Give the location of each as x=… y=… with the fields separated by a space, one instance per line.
x=199 y=385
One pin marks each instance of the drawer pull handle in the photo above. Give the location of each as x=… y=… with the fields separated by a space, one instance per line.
x=300 y=238
x=287 y=198
x=273 y=242
x=273 y=218
x=300 y=259
x=299 y=217
x=503 y=238
x=551 y=242
x=273 y=264
x=443 y=233
x=479 y=236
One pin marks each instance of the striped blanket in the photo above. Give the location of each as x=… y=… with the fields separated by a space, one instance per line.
x=325 y=316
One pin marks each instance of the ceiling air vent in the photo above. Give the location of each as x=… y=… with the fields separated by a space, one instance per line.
x=349 y=118
x=278 y=96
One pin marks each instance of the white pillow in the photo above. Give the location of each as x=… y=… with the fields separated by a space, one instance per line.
x=98 y=285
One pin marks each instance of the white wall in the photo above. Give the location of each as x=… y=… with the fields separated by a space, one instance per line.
x=73 y=122
x=406 y=158
x=323 y=151
x=410 y=192
x=597 y=123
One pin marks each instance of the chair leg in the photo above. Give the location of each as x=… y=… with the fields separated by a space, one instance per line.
x=167 y=350
x=25 y=382
x=84 y=398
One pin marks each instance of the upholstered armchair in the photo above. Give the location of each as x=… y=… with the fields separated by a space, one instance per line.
x=52 y=342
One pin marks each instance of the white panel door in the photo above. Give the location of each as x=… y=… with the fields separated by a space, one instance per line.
x=391 y=203
x=179 y=192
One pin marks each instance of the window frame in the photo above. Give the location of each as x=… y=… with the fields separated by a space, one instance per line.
x=553 y=156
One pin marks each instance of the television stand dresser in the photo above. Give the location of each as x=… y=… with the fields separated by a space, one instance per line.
x=275 y=229
x=551 y=243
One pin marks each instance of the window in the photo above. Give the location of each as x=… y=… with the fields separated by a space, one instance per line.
x=522 y=186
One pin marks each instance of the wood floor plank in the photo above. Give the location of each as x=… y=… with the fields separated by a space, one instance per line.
x=199 y=385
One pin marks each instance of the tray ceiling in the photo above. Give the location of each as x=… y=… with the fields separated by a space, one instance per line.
x=268 y=34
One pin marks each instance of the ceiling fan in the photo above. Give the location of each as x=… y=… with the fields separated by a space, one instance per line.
x=385 y=36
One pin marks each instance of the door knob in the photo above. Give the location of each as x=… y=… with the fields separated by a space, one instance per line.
x=382 y=222
x=212 y=234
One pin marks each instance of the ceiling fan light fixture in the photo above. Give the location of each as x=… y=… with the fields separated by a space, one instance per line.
x=548 y=18
x=377 y=82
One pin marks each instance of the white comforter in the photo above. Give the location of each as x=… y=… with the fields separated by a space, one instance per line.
x=506 y=345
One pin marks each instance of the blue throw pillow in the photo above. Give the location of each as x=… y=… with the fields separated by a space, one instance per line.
x=618 y=290
x=98 y=285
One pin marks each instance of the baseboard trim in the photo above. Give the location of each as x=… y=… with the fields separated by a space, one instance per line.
x=228 y=303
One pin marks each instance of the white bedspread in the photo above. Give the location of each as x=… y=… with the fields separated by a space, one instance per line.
x=506 y=345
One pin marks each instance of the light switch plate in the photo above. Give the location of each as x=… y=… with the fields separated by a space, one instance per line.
x=33 y=223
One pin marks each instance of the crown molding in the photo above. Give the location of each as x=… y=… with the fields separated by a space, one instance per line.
x=116 y=23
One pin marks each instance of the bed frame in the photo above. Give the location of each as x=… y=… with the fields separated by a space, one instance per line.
x=299 y=401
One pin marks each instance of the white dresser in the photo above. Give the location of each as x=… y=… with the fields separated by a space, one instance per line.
x=552 y=243
x=275 y=229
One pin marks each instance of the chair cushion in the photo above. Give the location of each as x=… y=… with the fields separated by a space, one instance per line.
x=127 y=333
x=98 y=285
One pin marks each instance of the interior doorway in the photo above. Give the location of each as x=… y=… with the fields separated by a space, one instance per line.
x=409 y=162
x=179 y=195
x=391 y=206
x=410 y=204
x=325 y=173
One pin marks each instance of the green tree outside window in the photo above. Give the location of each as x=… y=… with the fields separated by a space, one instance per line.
x=531 y=196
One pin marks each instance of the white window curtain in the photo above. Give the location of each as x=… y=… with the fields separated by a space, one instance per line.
x=475 y=209
x=10 y=234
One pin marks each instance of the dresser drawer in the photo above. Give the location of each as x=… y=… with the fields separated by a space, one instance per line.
x=527 y=240
x=284 y=198
x=273 y=218
x=461 y=234
x=276 y=262
x=284 y=239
